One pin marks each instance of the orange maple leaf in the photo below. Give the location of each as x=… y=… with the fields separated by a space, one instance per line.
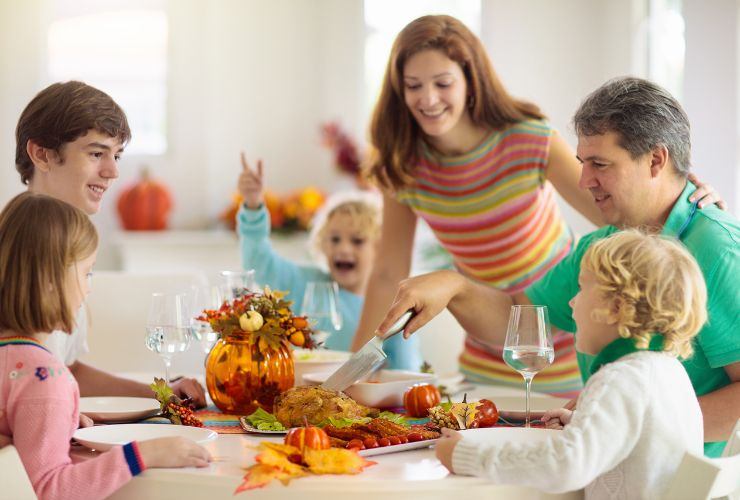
x=259 y=475
x=335 y=461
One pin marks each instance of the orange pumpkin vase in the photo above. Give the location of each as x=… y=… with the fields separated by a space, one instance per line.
x=419 y=398
x=145 y=206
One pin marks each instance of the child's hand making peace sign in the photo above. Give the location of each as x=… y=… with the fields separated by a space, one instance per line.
x=250 y=184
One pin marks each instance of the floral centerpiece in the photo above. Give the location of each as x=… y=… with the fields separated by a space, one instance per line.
x=252 y=362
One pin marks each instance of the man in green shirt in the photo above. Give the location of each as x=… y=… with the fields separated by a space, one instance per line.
x=634 y=145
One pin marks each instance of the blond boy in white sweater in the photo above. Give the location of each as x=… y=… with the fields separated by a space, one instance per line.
x=642 y=299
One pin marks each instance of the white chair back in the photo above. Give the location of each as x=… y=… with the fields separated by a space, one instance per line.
x=119 y=305
x=15 y=484
x=699 y=477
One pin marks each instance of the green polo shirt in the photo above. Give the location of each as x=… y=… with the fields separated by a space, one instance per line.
x=711 y=235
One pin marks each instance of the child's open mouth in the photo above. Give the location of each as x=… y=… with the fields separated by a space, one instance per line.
x=344 y=265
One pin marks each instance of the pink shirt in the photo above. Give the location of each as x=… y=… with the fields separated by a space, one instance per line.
x=39 y=410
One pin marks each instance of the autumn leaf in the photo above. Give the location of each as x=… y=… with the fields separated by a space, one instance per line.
x=259 y=475
x=464 y=413
x=335 y=461
x=278 y=455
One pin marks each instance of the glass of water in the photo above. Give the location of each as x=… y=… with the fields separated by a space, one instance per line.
x=168 y=327
x=204 y=297
x=528 y=347
x=237 y=283
x=320 y=305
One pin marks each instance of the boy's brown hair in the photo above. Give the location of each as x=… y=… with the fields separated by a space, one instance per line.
x=40 y=239
x=62 y=113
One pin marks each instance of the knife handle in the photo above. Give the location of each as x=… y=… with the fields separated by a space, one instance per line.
x=399 y=325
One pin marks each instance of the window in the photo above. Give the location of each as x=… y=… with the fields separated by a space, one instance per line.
x=384 y=19
x=120 y=48
x=666 y=45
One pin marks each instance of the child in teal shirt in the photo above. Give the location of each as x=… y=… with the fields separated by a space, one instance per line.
x=345 y=233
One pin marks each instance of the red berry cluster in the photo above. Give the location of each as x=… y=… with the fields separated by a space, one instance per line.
x=185 y=414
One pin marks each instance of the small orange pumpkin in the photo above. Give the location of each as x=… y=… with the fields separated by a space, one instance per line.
x=145 y=206
x=309 y=437
x=419 y=398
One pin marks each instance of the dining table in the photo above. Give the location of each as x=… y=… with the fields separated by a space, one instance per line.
x=408 y=474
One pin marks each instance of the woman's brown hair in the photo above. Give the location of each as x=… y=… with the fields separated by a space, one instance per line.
x=40 y=238
x=395 y=135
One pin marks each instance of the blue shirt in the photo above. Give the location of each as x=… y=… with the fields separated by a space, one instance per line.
x=279 y=273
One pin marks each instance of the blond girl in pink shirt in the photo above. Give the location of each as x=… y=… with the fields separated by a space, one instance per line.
x=47 y=250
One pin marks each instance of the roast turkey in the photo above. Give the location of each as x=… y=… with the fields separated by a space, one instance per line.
x=317 y=404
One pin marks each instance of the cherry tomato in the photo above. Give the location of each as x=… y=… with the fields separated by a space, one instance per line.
x=384 y=442
x=403 y=439
x=356 y=443
x=414 y=436
x=394 y=440
x=370 y=443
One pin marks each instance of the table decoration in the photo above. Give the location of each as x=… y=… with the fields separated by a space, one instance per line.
x=252 y=362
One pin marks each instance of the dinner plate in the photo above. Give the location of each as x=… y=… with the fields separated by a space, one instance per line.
x=504 y=435
x=536 y=404
x=118 y=409
x=103 y=437
x=382 y=450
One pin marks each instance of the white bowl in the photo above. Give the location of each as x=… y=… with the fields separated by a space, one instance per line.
x=500 y=436
x=386 y=389
x=316 y=360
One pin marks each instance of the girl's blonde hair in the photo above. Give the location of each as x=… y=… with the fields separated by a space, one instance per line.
x=364 y=208
x=653 y=286
x=40 y=239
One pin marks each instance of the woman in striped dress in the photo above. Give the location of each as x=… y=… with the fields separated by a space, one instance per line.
x=453 y=147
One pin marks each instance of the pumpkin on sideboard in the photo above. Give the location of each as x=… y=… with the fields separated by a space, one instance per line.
x=145 y=206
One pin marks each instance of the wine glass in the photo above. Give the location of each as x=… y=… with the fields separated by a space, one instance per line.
x=528 y=347
x=237 y=282
x=320 y=306
x=204 y=297
x=168 y=327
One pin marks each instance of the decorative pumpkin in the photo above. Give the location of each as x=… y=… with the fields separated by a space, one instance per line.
x=145 y=205
x=419 y=398
x=309 y=437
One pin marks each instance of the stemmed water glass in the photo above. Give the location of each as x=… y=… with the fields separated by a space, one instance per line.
x=320 y=306
x=204 y=297
x=236 y=282
x=168 y=327
x=528 y=347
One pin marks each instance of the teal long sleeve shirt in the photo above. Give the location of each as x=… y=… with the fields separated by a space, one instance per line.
x=280 y=273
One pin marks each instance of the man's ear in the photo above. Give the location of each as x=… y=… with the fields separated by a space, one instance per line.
x=658 y=160
x=40 y=156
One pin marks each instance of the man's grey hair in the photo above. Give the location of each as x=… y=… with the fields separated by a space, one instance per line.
x=643 y=114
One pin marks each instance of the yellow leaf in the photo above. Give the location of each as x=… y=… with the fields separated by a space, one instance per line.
x=278 y=455
x=259 y=475
x=335 y=461
x=464 y=413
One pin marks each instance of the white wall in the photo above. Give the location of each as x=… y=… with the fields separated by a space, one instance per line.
x=263 y=74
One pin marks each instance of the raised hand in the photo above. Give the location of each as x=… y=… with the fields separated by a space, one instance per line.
x=250 y=184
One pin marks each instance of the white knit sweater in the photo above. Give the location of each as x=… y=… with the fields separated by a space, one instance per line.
x=636 y=417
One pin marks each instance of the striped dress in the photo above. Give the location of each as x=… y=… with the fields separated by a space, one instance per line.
x=495 y=213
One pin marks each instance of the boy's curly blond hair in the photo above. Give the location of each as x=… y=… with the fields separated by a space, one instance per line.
x=653 y=286
x=364 y=207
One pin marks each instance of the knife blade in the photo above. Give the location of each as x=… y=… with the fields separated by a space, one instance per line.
x=366 y=360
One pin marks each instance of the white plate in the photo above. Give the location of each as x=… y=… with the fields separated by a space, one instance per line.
x=538 y=404
x=386 y=390
x=103 y=437
x=115 y=409
x=382 y=450
x=316 y=360
x=503 y=435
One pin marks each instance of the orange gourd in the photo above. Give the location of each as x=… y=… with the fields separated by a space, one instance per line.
x=309 y=437
x=145 y=206
x=419 y=398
